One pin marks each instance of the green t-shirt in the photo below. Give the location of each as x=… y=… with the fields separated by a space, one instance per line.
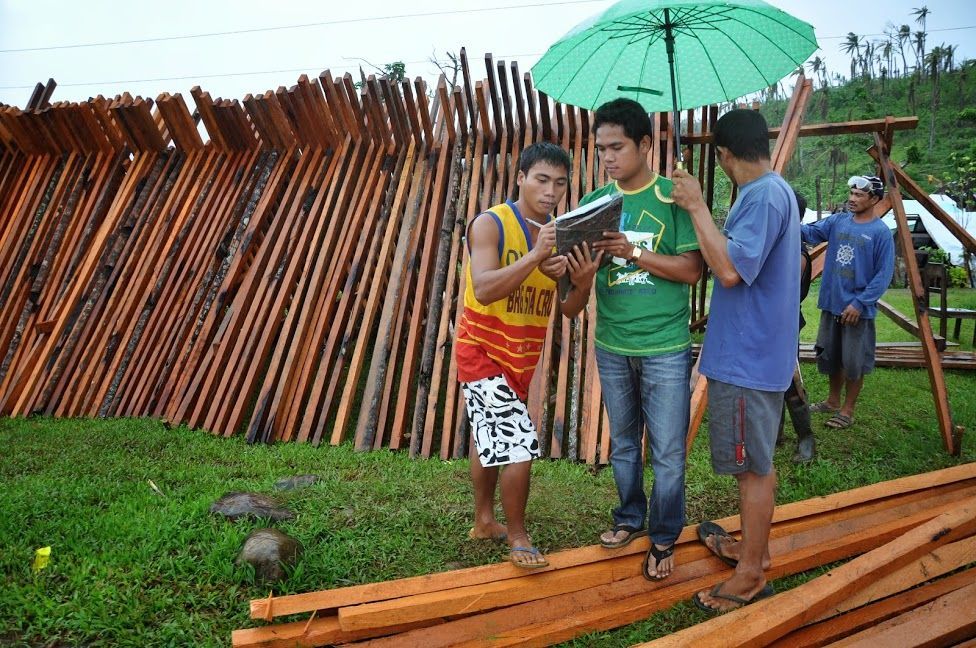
x=638 y=313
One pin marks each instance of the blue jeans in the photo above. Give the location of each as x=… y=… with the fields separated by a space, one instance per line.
x=651 y=390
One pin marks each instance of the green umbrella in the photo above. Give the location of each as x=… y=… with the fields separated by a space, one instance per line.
x=674 y=54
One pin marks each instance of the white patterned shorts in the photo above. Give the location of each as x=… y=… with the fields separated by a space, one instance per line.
x=501 y=428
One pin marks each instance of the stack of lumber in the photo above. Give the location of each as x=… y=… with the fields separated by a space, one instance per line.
x=906 y=354
x=591 y=589
x=295 y=277
x=298 y=275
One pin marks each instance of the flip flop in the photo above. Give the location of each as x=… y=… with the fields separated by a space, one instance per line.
x=501 y=537
x=823 y=408
x=632 y=534
x=709 y=528
x=716 y=592
x=839 y=421
x=527 y=550
x=659 y=555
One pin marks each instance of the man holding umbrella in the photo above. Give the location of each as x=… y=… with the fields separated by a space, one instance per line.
x=670 y=55
x=750 y=344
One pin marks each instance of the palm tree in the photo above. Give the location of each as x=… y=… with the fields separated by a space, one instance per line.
x=852 y=46
x=948 y=55
x=887 y=47
x=919 y=47
x=837 y=156
x=819 y=69
x=904 y=35
x=867 y=60
x=921 y=14
x=934 y=61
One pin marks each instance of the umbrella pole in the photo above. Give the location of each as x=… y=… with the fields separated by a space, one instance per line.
x=669 y=45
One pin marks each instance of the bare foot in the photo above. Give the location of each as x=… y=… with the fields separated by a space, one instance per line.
x=725 y=547
x=620 y=536
x=494 y=530
x=733 y=593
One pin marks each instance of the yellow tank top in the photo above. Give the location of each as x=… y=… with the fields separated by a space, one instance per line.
x=506 y=336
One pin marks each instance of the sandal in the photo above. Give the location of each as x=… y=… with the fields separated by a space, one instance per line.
x=839 y=421
x=716 y=592
x=527 y=550
x=706 y=529
x=823 y=408
x=632 y=533
x=659 y=555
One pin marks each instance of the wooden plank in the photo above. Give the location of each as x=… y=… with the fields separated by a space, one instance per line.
x=358 y=243
x=905 y=323
x=22 y=385
x=184 y=303
x=932 y=565
x=420 y=294
x=129 y=383
x=837 y=128
x=367 y=422
x=407 y=179
x=452 y=427
x=305 y=272
x=829 y=504
x=552 y=619
x=823 y=632
x=551 y=583
x=951 y=433
x=919 y=194
x=321 y=631
x=451 y=307
x=324 y=311
x=772 y=618
x=492 y=90
x=944 y=621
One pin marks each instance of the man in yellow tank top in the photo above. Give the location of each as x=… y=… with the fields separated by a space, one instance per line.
x=509 y=294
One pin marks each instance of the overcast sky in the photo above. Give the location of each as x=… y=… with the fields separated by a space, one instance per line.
x=377 y=31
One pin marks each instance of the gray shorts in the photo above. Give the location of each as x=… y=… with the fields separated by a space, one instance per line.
x=742 y=428
x=842 y=347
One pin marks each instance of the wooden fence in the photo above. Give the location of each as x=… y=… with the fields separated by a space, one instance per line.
x=297 y=275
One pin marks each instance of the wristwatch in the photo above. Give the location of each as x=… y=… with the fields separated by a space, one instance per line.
x=635 y=254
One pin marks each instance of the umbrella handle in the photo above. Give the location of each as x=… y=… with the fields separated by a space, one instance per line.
x=669 y=46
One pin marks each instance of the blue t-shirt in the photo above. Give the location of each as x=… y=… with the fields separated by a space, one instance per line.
x=859 y=263
x=752 y=327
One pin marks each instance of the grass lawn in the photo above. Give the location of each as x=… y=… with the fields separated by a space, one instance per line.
x=131 y=567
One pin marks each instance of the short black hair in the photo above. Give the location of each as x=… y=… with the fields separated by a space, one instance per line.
x=626 y=113
x=801 y=203
x=543 y=152
x=745 y=133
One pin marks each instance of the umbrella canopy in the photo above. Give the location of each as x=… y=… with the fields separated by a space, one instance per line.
x=674 y=54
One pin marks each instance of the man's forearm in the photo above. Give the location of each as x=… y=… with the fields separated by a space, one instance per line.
x=576 y=300
x=492 y=285
x=681 y=268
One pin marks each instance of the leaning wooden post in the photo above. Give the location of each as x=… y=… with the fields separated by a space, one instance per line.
x=951 y=433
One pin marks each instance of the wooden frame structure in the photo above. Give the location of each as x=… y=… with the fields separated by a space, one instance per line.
x=297 y=275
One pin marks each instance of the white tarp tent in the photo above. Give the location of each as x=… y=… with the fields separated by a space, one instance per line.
x=939 y=233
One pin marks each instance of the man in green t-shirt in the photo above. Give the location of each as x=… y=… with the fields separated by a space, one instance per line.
x=643 y=347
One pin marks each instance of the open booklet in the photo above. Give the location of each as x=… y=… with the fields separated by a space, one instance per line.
x=586 y=224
